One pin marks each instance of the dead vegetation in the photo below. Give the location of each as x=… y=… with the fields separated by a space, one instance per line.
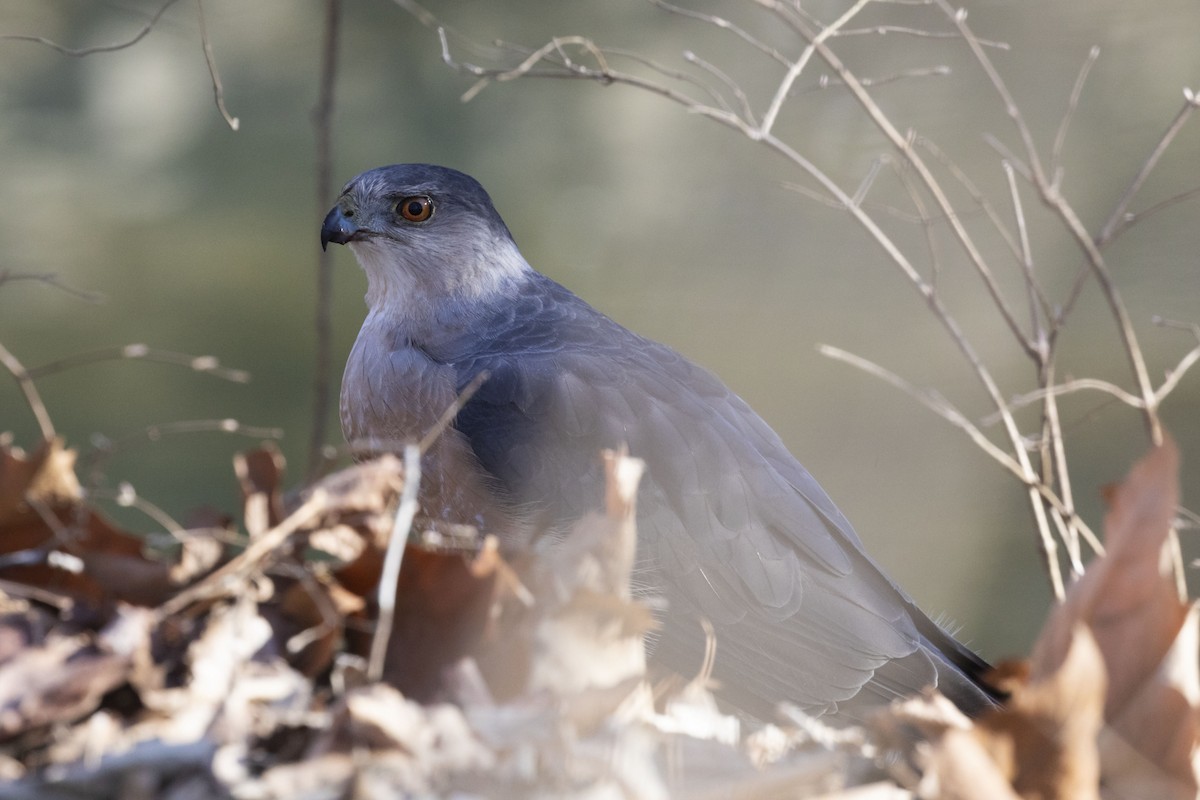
x=219 y=664
x=266 y=662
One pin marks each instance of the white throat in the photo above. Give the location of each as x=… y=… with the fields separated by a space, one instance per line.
x=406 y=282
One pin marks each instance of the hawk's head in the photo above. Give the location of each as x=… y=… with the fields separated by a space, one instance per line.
x=423 y=234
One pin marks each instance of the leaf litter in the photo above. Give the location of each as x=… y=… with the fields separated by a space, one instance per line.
x=236 y=667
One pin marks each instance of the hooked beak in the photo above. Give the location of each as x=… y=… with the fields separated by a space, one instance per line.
x=339 y=228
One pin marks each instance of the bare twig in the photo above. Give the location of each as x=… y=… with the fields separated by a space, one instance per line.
x=925 y=218
x=1054 y=515
x=578 y=71
x=1052 y=197
x=1190 y=105
x=1134 y=217
x=944 y=409
x=258 y=551
x=789 y=79
x=882 y=30
x=331 y=620
x=935 y=403
x=104 y=48
x=937 y=71
x=1072 y=105
x=1039 y=307
x=127 y=497
x=369 y=446
x=451 y=412
x=977 y=196
x=1185 y=363
x=153 y=433
x=32 y=398
x=724 y=24
x=213 y=75
x=904 y=145
x=389 y=579
x=208 y=365
x=50 y=279
x=732 y=85
x=323 y=122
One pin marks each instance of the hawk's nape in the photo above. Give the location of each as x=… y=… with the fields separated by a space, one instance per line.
x=732 y=528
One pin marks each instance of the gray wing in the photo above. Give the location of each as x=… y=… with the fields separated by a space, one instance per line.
x=731 y=527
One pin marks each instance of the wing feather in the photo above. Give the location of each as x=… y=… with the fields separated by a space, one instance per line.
x=731 y=526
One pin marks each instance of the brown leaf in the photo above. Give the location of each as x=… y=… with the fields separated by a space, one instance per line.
x=1151 y=749
x=1044 y=740
x=960 y=767
x=1127 y=596
x=588 y=632
x=47 y=477
x=65 y=678
x=260 y=475
x=1129 y=600
x=443 y=606
x=41 y=511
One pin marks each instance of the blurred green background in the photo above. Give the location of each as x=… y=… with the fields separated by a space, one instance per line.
x=118 y=174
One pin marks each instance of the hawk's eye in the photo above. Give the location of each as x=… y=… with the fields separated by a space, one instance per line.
x=415 y=209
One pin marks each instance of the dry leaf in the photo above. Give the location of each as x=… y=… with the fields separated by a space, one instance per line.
x=1127 y=596
x=1044 y=740
x=65 y=677
x=47 y=477
x=1150 y=749
x=260 y=475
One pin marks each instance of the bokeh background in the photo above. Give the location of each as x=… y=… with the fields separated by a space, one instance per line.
x=118 y=174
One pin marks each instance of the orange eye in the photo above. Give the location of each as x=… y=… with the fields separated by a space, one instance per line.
x=415 y=209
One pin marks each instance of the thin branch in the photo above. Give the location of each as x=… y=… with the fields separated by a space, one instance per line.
x=1039 y=307
x=1175 y=375
x=724 y=24
x=831 y=202
x=256 y=552
x=32 y=398
x=389 y=579
x=104 y=48
x=451 y=412
x=1037 y=489
x=934 y=402
x=785 y=86
x=925 y=218
x=883 y=30
x=579 y=72
x=154 y=433
x=1052 y=198
x=1069 y=387
x=738 y=93
x=208 y=365
x=864 y=186
x=1028 y=474
x=50 y=279
x=370 y=446
x=213 y=75
x=322 y=117
x=1055 y=441
x=1132 y=218
x=331 y=619
x=938 y=71
x=1008 y=155
x=977 y=197
x=1060 y=138
x=904 y=146
x=127 y=497
x=1190 y=105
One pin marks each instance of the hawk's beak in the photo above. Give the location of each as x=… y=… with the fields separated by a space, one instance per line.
x=338 y=228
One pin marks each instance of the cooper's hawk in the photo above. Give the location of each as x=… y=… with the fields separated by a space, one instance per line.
x=731 y=527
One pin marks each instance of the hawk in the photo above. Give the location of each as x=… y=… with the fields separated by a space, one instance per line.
x=731 y=528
